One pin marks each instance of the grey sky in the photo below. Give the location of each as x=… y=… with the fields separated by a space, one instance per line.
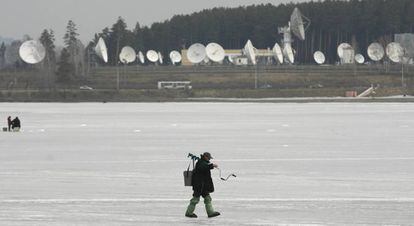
x=30 y=17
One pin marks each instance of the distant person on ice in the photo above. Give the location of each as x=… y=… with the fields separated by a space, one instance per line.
x=202 y=186
x=9 y=123
x=16 y=124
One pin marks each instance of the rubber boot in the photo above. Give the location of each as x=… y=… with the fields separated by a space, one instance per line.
x=209 y=207
x=190 y=209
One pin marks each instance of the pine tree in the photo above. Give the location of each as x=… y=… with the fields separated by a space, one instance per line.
x=74 y=47
x=47 y=38
x=71 y=35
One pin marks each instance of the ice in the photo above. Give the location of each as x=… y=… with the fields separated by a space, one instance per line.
x=296 y=164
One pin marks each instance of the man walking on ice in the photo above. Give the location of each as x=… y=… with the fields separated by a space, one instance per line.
x=202 y=186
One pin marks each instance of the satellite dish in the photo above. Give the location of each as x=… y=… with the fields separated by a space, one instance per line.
x=196 y=53
x=160 y=58
x=278 y=54
x=127 y=55
x=395 y=52
x=32 y=52
x=297 y=25
x=101 y=50
x=141 y=57
x=249 y=50
x=288 y=52
x=230 y=58
x=341 y=48
x=175 y=57
x=319 y=57
x=376 y=51
x=359 y=58
x=152 y=56
x=215 y=52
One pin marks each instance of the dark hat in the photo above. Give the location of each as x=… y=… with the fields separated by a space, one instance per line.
x=208 y=155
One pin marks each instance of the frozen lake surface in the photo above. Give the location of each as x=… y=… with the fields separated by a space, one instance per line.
x=122 y=164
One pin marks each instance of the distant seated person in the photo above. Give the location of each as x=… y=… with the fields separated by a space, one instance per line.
x=16 y=124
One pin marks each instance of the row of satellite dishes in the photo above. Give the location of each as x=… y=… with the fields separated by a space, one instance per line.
x=33 y=52
x=376 y=52
x=196 y=54
x=128 y=54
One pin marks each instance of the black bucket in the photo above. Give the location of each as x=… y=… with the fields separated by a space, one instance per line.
x=188 y=174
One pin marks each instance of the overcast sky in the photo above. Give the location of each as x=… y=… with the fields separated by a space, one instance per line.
x=30 y=17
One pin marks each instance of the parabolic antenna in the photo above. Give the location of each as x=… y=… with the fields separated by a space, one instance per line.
x=297 y=25
x=230 y=58
x=32 y=52
x=101 y=50
x=215 y=52
x=319 y=57
x=278 y=54
x=141 y=57
x=127 y=55
x=376 y=51
x=395 y=52
x=359 y=58
x=196 y=53
x=341 y=48
x=250 y=52
x=175 y=57
x=288 y=53
x=160 y=58
x=152 y=56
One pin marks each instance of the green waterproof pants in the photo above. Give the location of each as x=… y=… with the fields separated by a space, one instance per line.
x=195 y=200
x=209 y=206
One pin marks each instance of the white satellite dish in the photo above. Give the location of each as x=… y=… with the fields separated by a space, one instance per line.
x=160 y=58
x=249 y=50
x=277 y=52
x=101 y=50
x=175 y=57
x=288 y=53
x=319 y=57
x=395 y=52
x=230 y=58
x=296 y=24
x=215 y=52
x=152 y=56
x=376 y=51
x=341 y=48
x=127 y=55
x=141 y=57
x=32 y=52
x=359 y=58
x=196 y=53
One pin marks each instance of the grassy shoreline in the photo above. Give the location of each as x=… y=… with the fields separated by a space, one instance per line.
x=204 y=95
